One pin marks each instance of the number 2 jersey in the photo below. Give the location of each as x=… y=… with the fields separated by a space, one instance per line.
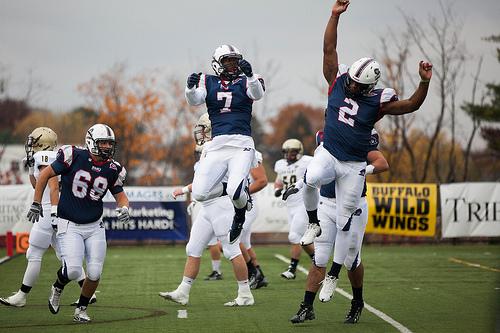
x=289 y=173
x=349 y=121
x=84 y=183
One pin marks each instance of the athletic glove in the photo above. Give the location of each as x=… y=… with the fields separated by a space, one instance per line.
x=53 y=217
x=193 y=80
x=245 y=67
x=35 y=212
x=123 y=214
x=190 y=208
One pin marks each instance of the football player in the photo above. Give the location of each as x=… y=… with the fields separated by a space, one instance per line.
x=86 y=176
x=228 y=95
x=213 y=219
x=353 y=108
x=327 y=212
x=289 y=169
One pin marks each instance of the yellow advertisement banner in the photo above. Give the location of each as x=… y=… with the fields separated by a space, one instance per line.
x=402 y=209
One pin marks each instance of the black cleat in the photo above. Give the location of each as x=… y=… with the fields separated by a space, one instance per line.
x=306 y=312
x=235 y=231
x=354 y=313
x=289 y=191
x=262 y=282
x=214 y=276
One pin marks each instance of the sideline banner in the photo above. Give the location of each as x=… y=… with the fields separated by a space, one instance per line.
x=402 y=209
x=470 y=210
x=154 y=214
x=15 y=201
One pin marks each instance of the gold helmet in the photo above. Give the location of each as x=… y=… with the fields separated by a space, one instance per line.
x=203 y=130
x=42 y=138
x=292 y=150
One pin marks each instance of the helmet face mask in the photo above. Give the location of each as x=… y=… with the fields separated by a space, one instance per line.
x=225 y=62
x=100 y=141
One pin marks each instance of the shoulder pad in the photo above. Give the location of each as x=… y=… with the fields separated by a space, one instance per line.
x=65 y=154
x=388 y=95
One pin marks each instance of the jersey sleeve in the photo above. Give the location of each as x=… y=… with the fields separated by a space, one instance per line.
x=388 y=95
x=64 y=159
x=120 y=180
x=258 y=157
x=277 y=169
x=374 y=141
x=342 y=69
x=255 y=87
x=197 y=95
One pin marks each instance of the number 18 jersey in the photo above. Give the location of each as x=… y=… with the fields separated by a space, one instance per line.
x=349 y=121
x=84 y=184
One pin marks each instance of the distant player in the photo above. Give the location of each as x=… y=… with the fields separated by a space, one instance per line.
x=229 y=96
x=353 y=108
x=289 y=170
x=331 y=235
x=212 y=220
x=86 y=176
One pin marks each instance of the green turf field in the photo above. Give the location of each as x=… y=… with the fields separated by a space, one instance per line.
x=418 y=286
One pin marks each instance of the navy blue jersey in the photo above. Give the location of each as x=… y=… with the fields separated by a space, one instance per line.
x=328 y=190
x=349 y=122
x=229 y=107
x=84 y=183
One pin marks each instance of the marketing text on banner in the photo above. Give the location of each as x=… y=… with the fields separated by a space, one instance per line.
x=402 y=209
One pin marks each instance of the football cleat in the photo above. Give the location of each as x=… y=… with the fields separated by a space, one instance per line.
x=313 y=230
x=261 y=282
x=289 y=274
x=249 y=199
x=289 y=191
x=17 y=300
x=54 y=299
x=214 y=276
x=328 y=288
x=81 y=315
x=235 y=231
x=175 y=296
x=241 y=300
x=306 y=312
x=354 y=313
x=93 y=300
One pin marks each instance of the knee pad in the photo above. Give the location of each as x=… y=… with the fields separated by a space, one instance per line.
x=73 y=272
x=193 y=250
x=352 y=262
x=35 y=253
x=321 y=255
x=94 y=271
x=294 y=237
x=231 y=251
x=312 y=178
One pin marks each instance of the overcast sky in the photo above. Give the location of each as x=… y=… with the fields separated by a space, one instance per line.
x=66 y=43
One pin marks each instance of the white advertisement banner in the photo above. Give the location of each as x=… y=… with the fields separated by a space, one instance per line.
x=15 y=201
x=272 y=215
x=470 y=210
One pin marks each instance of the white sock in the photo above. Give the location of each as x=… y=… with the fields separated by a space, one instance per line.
x=185 y=285
x=243 y=287
x=216 y=266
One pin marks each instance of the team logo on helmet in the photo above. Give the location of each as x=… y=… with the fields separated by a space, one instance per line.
x=97 y=137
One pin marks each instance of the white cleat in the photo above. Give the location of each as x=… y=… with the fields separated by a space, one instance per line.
x=288 y=274
x=241 y=300
x=81 y=315
x=313 y=230
x=328 y=288
x=17 y=300
x=175 y=296
x=54 y=299
x=93 y=300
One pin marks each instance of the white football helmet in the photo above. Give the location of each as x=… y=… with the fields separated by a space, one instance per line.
x=292 y=150
x=42 y=138
x=222 y=52
x=366 y=72
x=203 y=130
x=100 y=133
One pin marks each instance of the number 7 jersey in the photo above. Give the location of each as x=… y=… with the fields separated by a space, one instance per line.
x=84 y=184
x=349 y=121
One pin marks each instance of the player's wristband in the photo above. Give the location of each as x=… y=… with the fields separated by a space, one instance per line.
x=369 y=169
x=424 y=81
x=53 y=210
x=31 y=170
x=185 y=189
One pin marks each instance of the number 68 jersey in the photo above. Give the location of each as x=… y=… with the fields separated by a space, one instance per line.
x=84 y=183
x=289 y=173
x=349 y=120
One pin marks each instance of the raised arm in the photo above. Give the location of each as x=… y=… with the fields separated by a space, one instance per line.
x=195 y=91
x=417 y=99
x=330 y=57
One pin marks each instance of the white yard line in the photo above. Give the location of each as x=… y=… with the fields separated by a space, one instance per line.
x=471 y=264
x=4 y=259
x=370 y=308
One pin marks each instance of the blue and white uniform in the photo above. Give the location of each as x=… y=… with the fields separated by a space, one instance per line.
x=289 y=174
x=84 y=184
x=327 y=214
x=231 y=150
x=342 y=157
